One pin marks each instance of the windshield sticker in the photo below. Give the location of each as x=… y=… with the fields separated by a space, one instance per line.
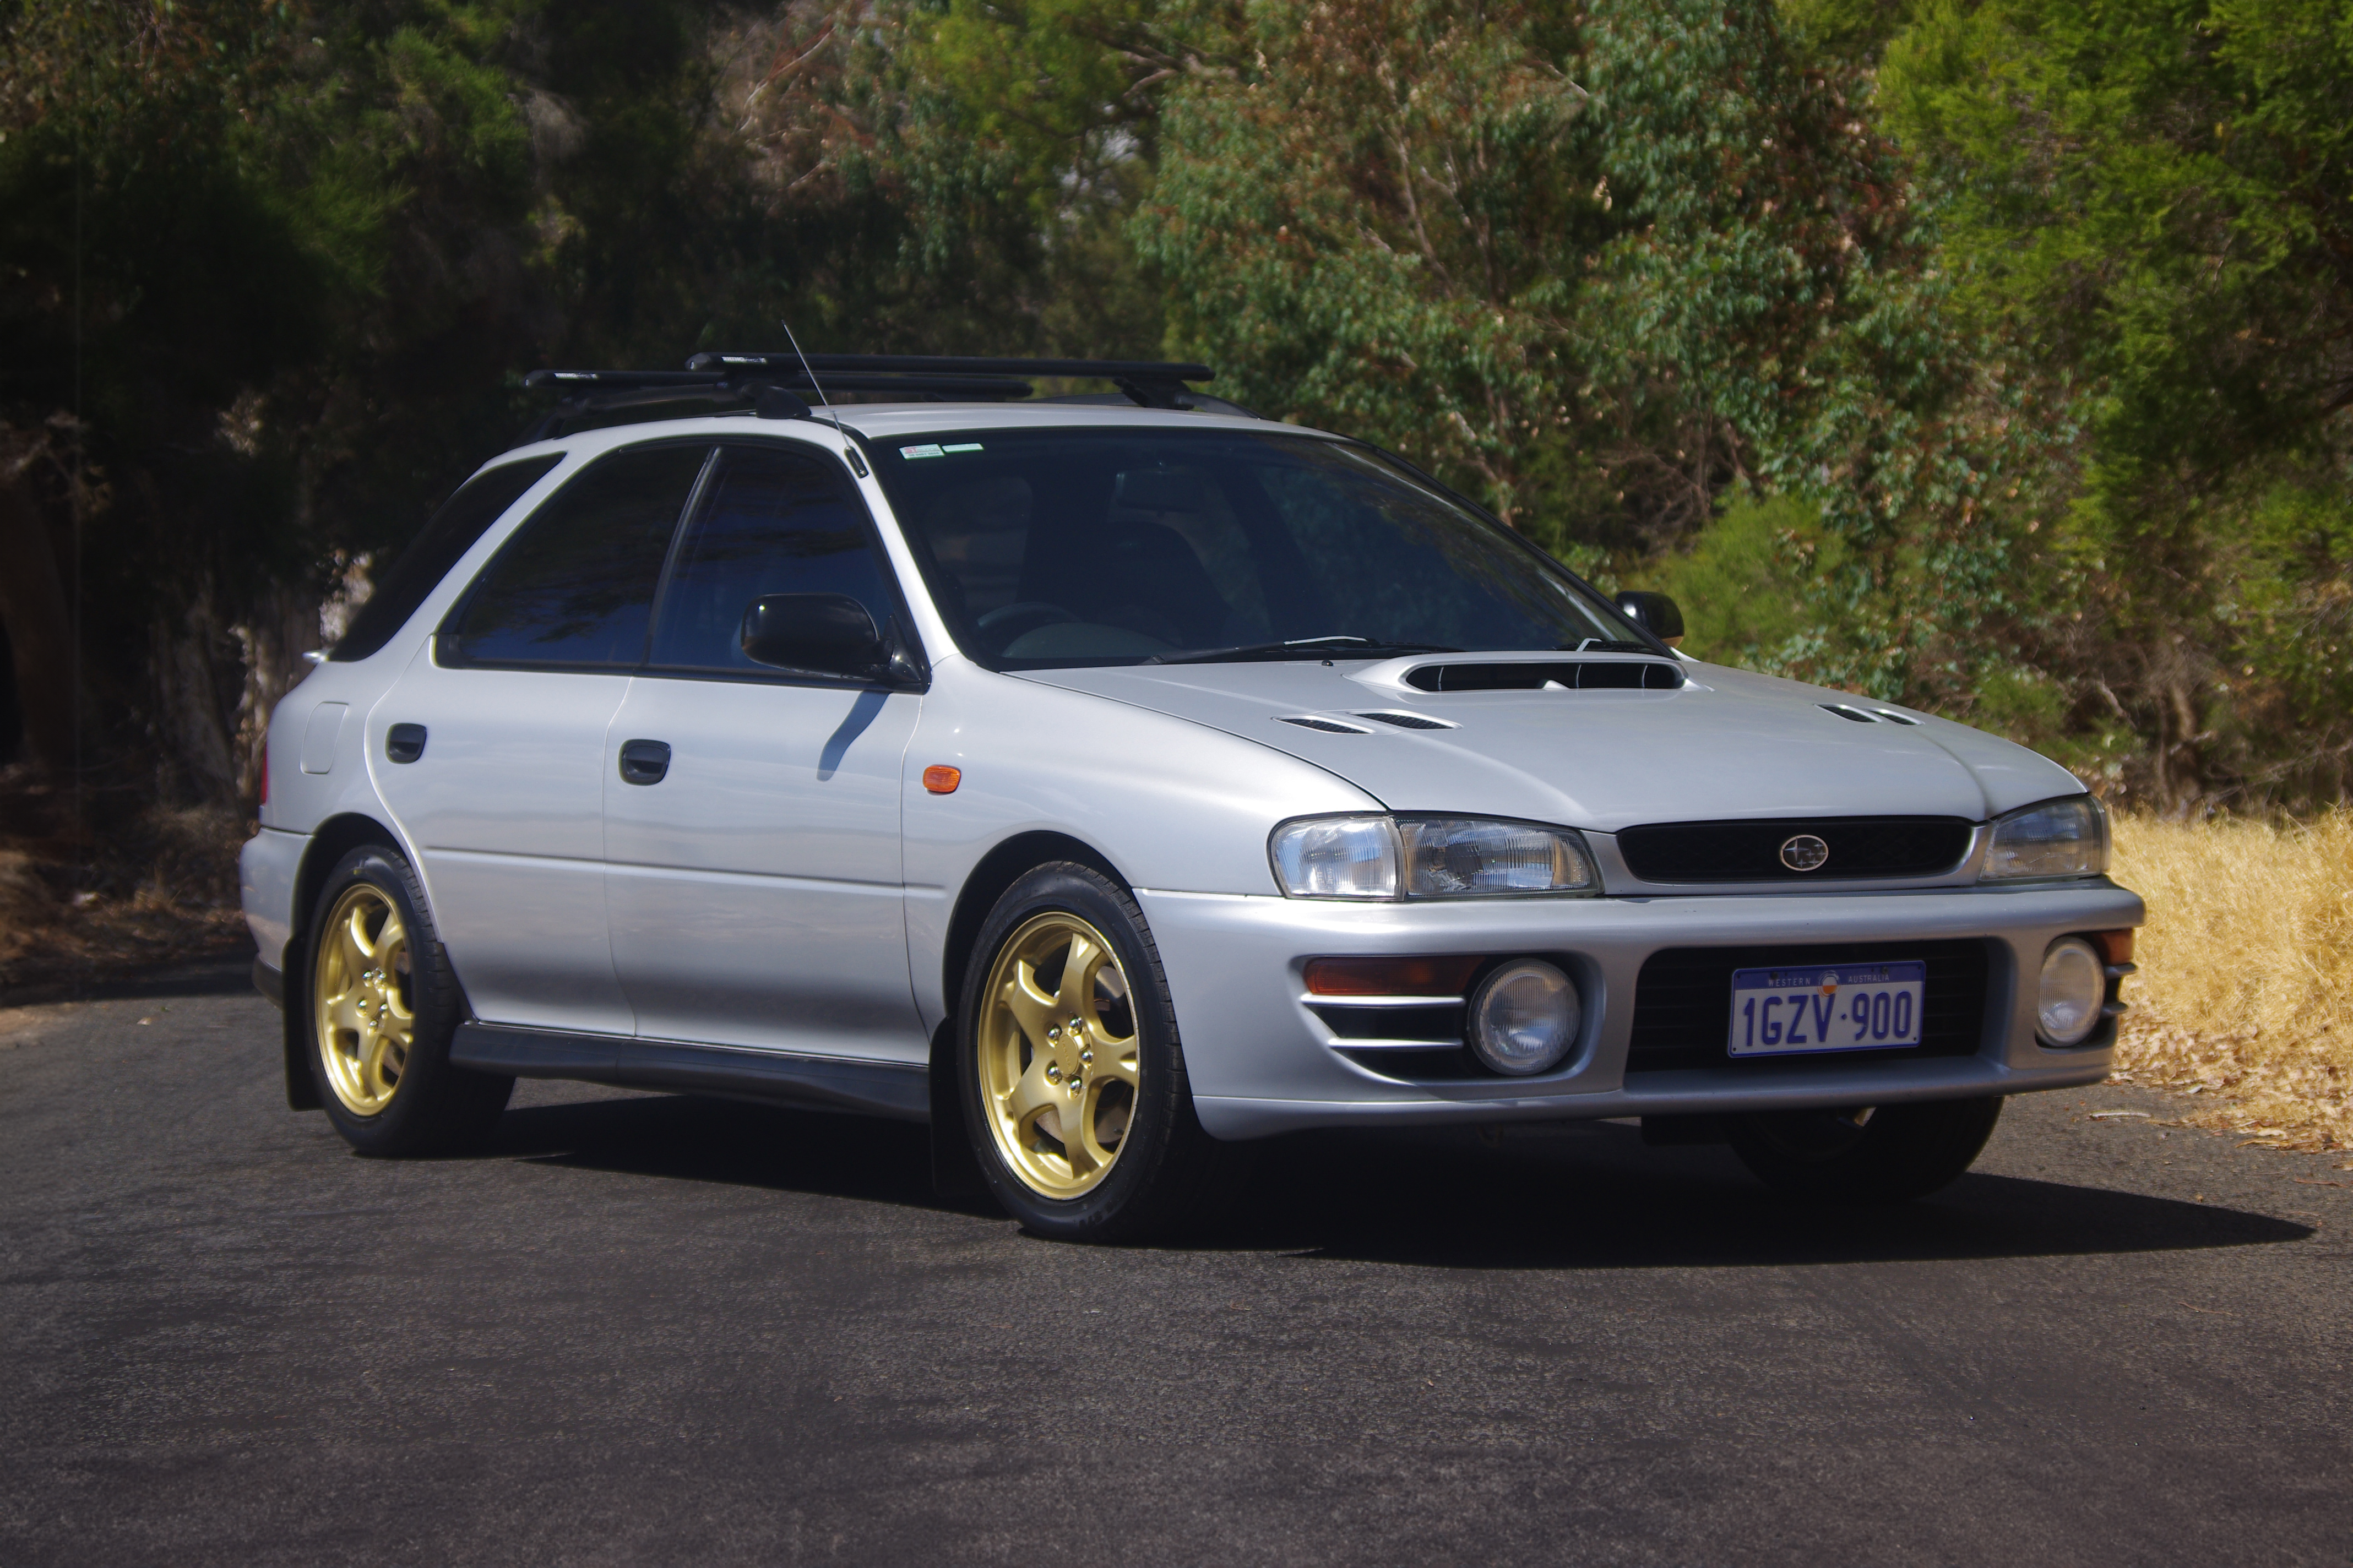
x=962 y=447
x=927 y=450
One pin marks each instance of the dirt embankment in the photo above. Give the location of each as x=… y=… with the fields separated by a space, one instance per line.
x=99 y=884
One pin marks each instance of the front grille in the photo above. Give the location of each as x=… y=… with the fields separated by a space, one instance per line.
x=1683 y=1004
x=1860 y=847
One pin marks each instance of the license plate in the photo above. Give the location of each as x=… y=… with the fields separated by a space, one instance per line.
x=1828 y=1008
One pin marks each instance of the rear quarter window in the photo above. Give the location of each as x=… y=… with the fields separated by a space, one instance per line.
x=447 y=536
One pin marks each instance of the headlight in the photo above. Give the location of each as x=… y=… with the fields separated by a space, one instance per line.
x=2066 y=838
x=1427 y=858
x=1337 y=858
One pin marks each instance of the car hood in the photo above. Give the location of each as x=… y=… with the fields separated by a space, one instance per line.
x=1726 y=744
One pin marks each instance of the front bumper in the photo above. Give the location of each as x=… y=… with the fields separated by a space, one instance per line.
x=1260 y=1062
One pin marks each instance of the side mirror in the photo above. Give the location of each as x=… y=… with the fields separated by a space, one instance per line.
x=1655 y=613
x=830 y=634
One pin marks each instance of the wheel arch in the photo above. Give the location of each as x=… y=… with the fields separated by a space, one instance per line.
x=997 y=871
x=330 y=842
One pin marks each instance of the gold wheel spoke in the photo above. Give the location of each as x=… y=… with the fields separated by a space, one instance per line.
x=374 y=1044
x=1116 y=1062
x=1030 y=1093
x=343 y=1010
x=1087 y=1156
x=355 y=933
x=1027 y=1004
x=1077 y=991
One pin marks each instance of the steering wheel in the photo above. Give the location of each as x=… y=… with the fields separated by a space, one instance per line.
x=1007 y=622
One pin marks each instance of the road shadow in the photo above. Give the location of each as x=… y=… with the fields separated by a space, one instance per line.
x=1574 y=1195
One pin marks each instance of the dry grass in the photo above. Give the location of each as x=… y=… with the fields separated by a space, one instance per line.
x=2245 y=989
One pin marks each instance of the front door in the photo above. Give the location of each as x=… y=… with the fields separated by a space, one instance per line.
x=505 y=804
x=751 y=847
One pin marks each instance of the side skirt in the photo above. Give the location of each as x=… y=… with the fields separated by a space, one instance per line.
x=899 y=1090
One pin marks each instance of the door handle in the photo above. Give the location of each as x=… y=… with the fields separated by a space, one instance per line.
x=404 y=742
x=644 y=762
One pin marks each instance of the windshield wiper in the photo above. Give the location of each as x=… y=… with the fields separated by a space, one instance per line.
x=1297 y=647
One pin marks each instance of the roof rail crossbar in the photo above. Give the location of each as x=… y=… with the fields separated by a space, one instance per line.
x=959 y=364
x=1148 y=383
x=776 y=385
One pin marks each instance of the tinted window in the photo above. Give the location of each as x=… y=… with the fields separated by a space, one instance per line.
x=575 y=587
x=1071 y=547
x=480 y=502
x=772 y=522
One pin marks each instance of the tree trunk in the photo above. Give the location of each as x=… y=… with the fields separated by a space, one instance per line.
x=40 y=632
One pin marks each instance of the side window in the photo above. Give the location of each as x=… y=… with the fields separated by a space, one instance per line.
x=575 y=587
x=772 y=522
x=449 y=533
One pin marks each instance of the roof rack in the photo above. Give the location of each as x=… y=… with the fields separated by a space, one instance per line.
x=777 y=386
x=1149 y=383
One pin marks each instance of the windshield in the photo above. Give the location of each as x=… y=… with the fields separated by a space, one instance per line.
x=1107 y=546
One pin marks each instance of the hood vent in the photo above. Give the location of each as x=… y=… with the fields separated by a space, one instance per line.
x=1576 y=675
x=1326 y=725
x=1410 y=720
x=1876 y=716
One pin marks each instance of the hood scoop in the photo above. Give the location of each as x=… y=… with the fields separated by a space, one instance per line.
x=1565 y=675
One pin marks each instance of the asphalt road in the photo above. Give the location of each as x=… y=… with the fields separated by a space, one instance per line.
x=648 y=1330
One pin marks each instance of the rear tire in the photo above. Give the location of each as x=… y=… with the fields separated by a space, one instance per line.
x=380 y=1011
x=1073 y=1078
x=1896 y=1153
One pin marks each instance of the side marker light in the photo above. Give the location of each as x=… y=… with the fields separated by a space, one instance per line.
x=941 y=780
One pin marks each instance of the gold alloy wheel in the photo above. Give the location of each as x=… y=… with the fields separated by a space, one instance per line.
x=1058 y=1054
x=360 y=1003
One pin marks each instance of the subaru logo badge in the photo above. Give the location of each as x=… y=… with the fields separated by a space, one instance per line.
x=1804 y=852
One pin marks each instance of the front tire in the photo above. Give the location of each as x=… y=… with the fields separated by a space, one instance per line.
x=1867 y=1156
x=1071 y=1075
x=382 y=1008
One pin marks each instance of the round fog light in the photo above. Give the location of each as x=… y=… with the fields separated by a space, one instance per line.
x=2074 y=984
x=1525 y=1017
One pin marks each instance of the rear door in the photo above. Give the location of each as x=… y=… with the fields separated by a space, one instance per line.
x=505 y=804
x=754 y=883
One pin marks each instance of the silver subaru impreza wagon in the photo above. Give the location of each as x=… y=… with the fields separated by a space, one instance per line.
x=1111 y=782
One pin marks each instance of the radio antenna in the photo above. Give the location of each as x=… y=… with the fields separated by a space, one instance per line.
x=823 y=400
x=848 y=451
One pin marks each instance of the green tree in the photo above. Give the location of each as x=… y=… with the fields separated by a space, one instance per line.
x=1600 y=269
x=2145 y=206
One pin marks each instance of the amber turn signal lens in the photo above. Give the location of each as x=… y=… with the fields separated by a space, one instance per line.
x=941 y=780
x=2116 y=946
x=1390 y=977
